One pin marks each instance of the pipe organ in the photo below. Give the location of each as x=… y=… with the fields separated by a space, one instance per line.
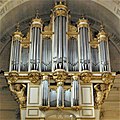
x=60 y=67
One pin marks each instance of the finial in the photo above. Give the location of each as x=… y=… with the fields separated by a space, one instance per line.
x=83 y=16
x=102 y=26
x=18 y=27
x=37 y=13
x=60 y=2
x=55 y=3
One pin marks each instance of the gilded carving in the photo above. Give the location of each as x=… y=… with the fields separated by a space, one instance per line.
x=19 y=91
x=37 y=23
x=60 y=10
x=44 y=108
x=34 y=76
x=102 y=35
x=60 y=75
x=13 y=76
x=72 y=31
x=48 y=31
x=76 y=108
x=106 y=77
x=101 y=93
x=60 y=13
x=26 y=41
x=82 y=23
x=94 y=43
x=85 y=76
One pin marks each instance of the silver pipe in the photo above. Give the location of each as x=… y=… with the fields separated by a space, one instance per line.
x=13 y=56
x=45 y=92
x=56 y=37
x=101 y=55
x=64 y=44
x=81 y=48
x=46 y=54
x=43 y=54
x=34 y=40
x=32 y=49
x=84 y=43
x=87 y=45
x=64 y=37
x=38 y=48
x=16 y=52
x=60 y=37
x=59 y=96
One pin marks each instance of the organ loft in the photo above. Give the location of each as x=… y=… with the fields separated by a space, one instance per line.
x=60 y=71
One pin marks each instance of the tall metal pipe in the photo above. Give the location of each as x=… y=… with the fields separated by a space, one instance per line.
x=36 y=43
x=59 y=59
x=103 y=50
x=45 y=91
x=75 y=92
x=15 y=50
x=83 y=45
x=60 y=94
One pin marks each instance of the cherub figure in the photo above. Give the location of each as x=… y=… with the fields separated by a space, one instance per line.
x=102 y=91
x=19 y=91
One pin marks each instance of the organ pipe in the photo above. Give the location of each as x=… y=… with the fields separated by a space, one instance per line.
x=72 y=54
x=83 y=45
x=60 y=94
x=103 y=50
x=75 y=92
x=94 y=54
x=60 y=14
x=36 y=44
x=15 y=50
x=46 y=54
x=45 y=91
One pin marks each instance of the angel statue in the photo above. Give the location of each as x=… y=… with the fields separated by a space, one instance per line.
x=19 y=91
x=102 y=91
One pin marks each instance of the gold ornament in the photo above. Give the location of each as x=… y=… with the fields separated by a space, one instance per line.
x=44 y=108
x=102 y=91
x=76 y=108
x=94 y=43
x=60 y=10
x=72 y=32
x=106 y=77
x=13 y=76
x=60 y=75
x=34 y=76
x=19 y=91
x=85 y=76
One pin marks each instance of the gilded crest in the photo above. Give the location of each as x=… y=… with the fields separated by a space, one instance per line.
x=34 y=76
x=106 y=77
x=13 y=76
x=86 y=76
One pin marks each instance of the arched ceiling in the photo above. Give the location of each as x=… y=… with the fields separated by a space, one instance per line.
x=22 y=11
